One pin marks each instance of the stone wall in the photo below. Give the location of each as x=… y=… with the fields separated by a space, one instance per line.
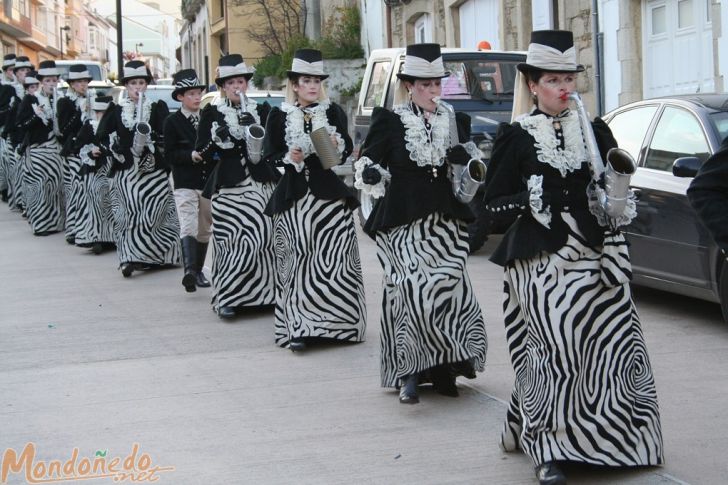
x=344 y=74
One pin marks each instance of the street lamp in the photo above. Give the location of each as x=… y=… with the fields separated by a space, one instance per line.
x=65 y=28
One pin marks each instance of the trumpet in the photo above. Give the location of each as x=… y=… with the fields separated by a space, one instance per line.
x=466 y=179
x=617 y=172
x=142 y=130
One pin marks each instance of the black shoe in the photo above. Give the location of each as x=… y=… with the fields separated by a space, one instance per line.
x=97 y=248
x=4 y=195
x=550 y=474
x=226 y=312
x=42 y=233
x=189 y=258
x=71 y=239
x=202 y=282
x=408 y=391
x=443 y=380
x=127 y=269
x=297 y=344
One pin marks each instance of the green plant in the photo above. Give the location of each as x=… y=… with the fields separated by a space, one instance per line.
x=341 y=35
x=353 y=90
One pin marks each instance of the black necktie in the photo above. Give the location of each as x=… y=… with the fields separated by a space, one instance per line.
x=194 y=119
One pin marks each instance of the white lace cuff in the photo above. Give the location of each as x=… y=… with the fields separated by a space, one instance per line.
x=299 y=166
x=85 y=155
x=535 y=201
x=596 y=194
x=377 y=190
x=225 y=145
x=473 y=150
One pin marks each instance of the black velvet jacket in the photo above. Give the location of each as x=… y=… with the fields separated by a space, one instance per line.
x=414 y=192
x=69 y=124
x=86 y=136
x=324 y=184
x=708 y=194
x=8 y=95
x=112 y=123
x=33 y=129
x=10 y=131
x=513 y=162
x=231 y=165
x=180 y=136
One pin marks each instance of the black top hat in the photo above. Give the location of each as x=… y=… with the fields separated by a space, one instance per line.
x=231 y=66
x=184 y=80
x=307 y=62
x=78 y=72
x=101 y=103
x=22 y=61
x=551 y=50
x=31 y=78
x=46 y=69
x=423 y=61
x=136 y=70
x=8 y=61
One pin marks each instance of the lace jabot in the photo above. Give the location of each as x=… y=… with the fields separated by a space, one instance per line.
x=541 y=128
x=296 y=135
x=230 y=115
x=128 y=112
x=426 y=147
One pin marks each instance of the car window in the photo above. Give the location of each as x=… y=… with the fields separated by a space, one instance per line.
x=478 y=79
x=629 y=128
x=93 y=69
x=720 y=120
x=273 y=101
x=377 y=84
x=678 y=134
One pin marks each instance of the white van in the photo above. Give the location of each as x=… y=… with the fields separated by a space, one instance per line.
x=100 y=82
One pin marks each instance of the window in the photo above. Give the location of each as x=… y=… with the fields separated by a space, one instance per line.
x=630 y=127
x=377 y=84
x=678 y=134
x=708 y=13
x=422 y=29
x=685 y=14
x=475 y=79
x=659 y=21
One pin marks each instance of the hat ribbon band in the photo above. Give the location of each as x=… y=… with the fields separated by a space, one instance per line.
x=304 y=67
x=135 y=71
x=226 y=71
x=418 y=67
x=551 y=59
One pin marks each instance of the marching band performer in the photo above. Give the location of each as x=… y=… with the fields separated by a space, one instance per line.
x=584 y=389
x=42 y=164
x=432 y=326
x=319 y=288
x=72 y=112
x=240 y=185
x=94 y=203
x=7 y=93
x=145 y=220
x=189 y=172
x=13 y=136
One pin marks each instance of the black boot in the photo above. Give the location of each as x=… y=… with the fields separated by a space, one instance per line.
x=408 y=391
x=189 y=258
x=443 y=380
x=550 y=474
x=4 y=195
x=201 y=281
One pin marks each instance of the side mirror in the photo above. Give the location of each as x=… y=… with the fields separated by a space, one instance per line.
x=686 y=166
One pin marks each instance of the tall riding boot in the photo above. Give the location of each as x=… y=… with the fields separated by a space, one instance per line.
x=189 y=257
x=201 y=281
x=408 y=391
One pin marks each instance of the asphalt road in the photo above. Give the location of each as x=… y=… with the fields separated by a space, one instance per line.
x=93 y=361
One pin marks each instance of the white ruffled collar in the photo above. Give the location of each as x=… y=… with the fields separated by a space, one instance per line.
x=548 y=151
x=425 y=148
x=128 y=112
x=296 y=135
x=80 y=101
x=45 y=103
x=230 y=114
x=19 y=90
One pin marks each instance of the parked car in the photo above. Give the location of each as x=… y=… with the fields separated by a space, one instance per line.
x=481 y=85
x=273 y=98
x=100 y=81
x=155 y=92
x=670 y=138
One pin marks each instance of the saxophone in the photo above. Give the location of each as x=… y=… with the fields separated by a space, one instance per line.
x=142 y=130
x=54 y=112
x=465 y=178
x=617 y=172
x=254 y=135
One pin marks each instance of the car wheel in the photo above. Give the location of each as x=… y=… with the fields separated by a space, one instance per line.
x=481 y=227
x=723 y=290
x=366 y=206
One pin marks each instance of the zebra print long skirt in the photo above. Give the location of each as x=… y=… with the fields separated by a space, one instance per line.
x=430 y=315
x=73 y=188
x=146 y=228
x=43 y=187
x=3 y=163
x=319 y=285
x=243 y=265
x=14 y=164
x=95 y=222
x=584 y=388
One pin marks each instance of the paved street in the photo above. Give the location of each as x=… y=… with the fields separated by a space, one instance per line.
x=91 y=360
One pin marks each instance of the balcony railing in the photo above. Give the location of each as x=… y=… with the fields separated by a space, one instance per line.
x=12 y=22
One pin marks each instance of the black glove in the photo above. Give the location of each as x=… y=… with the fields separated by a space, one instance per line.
x=223 y=133
x=457 y=155
x=371 y=176
x=116 y=147
x=246 y=119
